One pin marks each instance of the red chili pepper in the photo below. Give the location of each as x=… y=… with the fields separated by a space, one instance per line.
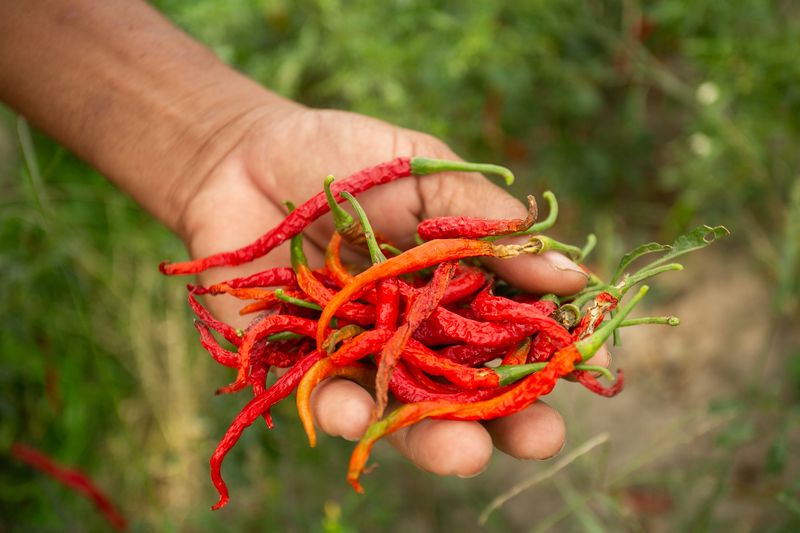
x=387 y=307
x=278 y=391
x=273 y=277
x=470 y=355
x=220 y=354
x=258 y=382
x=300 y=218
x=418 y=310
x=224 y=329
x=369 y=342
x=419 y=355
x=410 y=386
x=586 y=379
x=497 y=308
x=474 y=228
x=518 y=355
x=466 y=282
x=72 y=479
x=270 y=324
x=317 y=291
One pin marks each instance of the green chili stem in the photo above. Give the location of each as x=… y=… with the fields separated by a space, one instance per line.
x=391 y=249
x=281 y=295
x=596 y=368
x=375 y=253
x=341 y=218
x=665 y=320
x=591 y=241
x=284 y=336
x=548 y=244
x=648 y=273
x=422 y=166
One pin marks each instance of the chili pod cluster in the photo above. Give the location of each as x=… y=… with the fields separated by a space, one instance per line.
x=428 y=325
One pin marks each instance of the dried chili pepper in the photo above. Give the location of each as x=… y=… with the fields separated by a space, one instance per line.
x=317 y=206
x=518 y=355
x=418 y=310
x=268 y=325
x=474 y=228
x=72 y=479
x=258 y=405
x=230 y=334
x=273 y=277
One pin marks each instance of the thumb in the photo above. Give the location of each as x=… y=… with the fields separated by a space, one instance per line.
x=473 y=195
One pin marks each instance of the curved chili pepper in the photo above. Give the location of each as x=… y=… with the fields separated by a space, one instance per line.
x=469 y=354
x=466 y=282
x=224 y=329
x=491 y=307
x=258 y=382
x=387 y=306
x=273 y=277
x=590 y=382
x=220 y=354
x=323 y=369
x=410 y=386
x=305 y=214
x=278 y=391
x=419 y=355
x=341 y=335
x=270 y=324
x=475 y=228
x=367 y=343
x=317 y=291
x=333 y=261
x=72 y=479
x=418 y=310
x=518 y=355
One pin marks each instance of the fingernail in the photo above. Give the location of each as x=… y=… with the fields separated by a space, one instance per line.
x=470 y=476
x=562 y=262
x=563 y=445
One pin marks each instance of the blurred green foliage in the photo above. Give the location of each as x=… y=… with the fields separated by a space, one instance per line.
x=644 y=117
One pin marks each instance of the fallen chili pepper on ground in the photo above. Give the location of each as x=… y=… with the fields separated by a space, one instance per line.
x=423 y=324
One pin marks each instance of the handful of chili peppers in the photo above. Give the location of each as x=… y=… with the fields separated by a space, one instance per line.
x=428 y=325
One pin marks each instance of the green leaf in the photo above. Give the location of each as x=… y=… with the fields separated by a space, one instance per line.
x=636 y=253
x=699 y=237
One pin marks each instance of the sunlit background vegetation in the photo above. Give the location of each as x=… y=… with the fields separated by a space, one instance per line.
x=644 y=118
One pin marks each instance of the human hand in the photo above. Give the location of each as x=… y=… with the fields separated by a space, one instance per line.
x=286 y=158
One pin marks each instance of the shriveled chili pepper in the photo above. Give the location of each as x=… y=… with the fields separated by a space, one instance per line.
x=516 y=398
x=409 y=386
x=273 y=277
x=333 y=261
x=317 y=206
x=356 y=312
x=220 y=354
x=418 y=310
x=422 y=256
x=590 y=382
x=447 y=327
x=258 y=382
x=367 y=343
x=419 y=355
x=466 y=282
x=474 y=228
x=72 y=479
x=278 y=391
x=518 y=355
x=323 y=369
x=341 y=335
x=469 y=354
x=491 y=307
x=387 y=306
x=270 y=324
x=224 y=329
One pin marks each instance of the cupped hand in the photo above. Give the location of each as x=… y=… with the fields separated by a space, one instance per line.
x=286 y=158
